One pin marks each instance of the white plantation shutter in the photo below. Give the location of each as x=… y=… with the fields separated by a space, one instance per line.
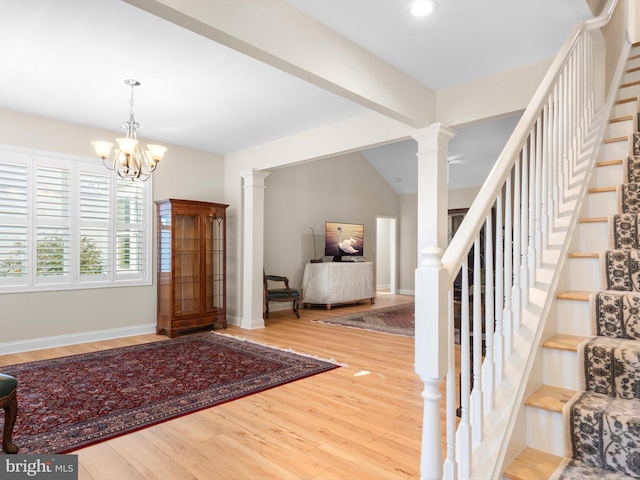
x=95 y=251
x=129 y=228
x=52 y=228
x=67 y=223
x=14 y=266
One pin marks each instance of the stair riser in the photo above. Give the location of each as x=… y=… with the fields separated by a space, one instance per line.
x=560 y=368
x=573 y=318
x=631 y=91
x=619 y=129
x=615 y=150
x=632 y=63
x=624 y=109
x=584 y=274
x=608 y=176
x=629 y=77
x=593 y=237
x=602 y=204
x=545 y=430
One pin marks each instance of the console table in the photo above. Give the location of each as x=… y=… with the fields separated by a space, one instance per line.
x=332 y=283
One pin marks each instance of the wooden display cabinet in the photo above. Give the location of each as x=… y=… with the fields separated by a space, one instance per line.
x=191 y=266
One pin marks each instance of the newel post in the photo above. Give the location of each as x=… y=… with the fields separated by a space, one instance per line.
x=431 y=287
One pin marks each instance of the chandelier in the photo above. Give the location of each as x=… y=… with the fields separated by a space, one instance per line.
x=130 y=160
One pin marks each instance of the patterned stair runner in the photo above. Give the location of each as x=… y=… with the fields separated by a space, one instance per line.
x=616 y=315
x=603 y=419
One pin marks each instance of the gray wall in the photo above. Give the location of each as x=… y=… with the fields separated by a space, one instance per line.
x=345 y=189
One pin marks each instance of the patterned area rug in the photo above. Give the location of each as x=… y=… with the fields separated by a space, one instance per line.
x=397 y=320
x=71 y=402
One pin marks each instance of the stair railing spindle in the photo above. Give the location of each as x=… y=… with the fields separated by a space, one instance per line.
x=549 y=167
x=572 y=117
x=499 y=333
x=580 y=105
x=464 y=429
x=532 y=210
x=538 y=193
x=450 y=467
x=571 y=120
x=488 y=374
x=555 y=176
x=544 y=187
x=564 y=139
x=517 y=230
x=507 y=317
x=558 y=138
x=477 y=409
x=524 y=225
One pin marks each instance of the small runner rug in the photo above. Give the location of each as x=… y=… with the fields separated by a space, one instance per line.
x=397 y=320
x=71 y=402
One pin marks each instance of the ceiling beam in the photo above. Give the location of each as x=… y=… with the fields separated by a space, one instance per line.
x=280 y=35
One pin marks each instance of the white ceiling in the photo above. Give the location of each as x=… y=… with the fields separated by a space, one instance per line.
x=67 y=60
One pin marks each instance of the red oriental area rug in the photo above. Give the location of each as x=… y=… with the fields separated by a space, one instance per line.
x=71 y=402
x=398 y=320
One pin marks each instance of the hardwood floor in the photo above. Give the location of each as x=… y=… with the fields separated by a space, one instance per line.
x=361 y=421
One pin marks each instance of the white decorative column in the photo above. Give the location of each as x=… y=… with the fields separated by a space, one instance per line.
x=252 y=248
x=431 y=323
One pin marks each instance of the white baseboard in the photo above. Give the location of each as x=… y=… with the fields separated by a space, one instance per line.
x=407 y=292
x=74 y=339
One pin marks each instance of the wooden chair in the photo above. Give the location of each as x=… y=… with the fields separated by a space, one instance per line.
x=8 y=401
x=286 y=294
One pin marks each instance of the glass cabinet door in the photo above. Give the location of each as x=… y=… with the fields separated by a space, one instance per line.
x=214 y=264
x=187 y=264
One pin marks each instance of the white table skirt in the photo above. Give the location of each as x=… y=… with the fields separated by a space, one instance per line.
x=337 y=282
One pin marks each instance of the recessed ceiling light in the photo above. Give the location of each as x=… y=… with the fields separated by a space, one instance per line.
x=422 y=8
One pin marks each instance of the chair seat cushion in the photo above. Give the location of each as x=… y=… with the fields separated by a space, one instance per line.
x=281 y=294
x=7 y=384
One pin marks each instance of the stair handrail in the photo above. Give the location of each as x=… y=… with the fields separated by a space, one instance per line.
x=479 y=209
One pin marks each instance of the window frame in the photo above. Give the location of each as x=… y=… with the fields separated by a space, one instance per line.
x=74 y=280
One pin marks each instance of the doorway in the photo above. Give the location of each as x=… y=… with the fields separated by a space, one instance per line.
x=386 y=255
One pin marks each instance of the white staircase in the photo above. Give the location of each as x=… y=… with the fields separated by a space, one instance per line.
x=555 y=376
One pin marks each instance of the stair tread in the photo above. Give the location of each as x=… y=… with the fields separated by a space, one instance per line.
x=593 y=220
x=616 y=139
x=550 y=398
x=584 y=255
x=608 y=163
x=532 y=464
x=601 y=189
x=561 y=341
x=574 y=295
x=630 y=84
x=625 y=100
x=621 y=119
